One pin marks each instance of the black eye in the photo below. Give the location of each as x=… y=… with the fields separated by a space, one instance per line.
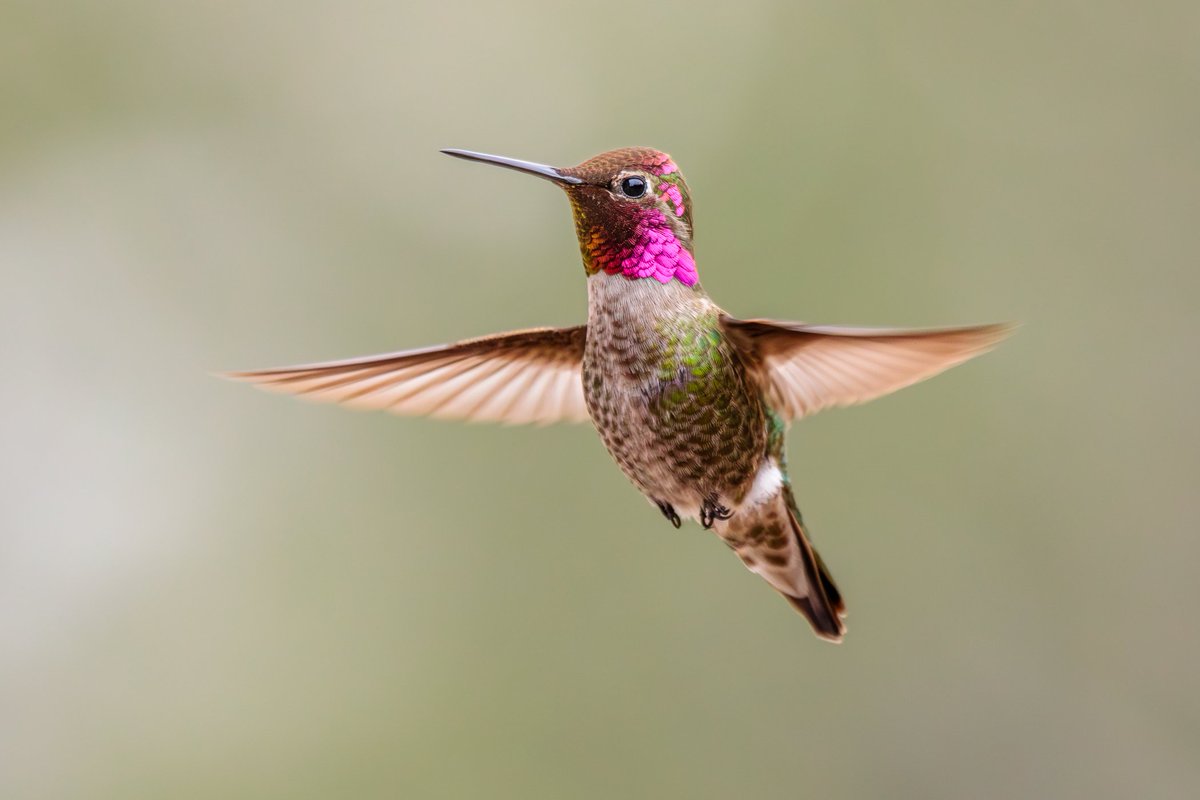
x=633 y=186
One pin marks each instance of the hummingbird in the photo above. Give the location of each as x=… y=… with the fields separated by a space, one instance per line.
x=691 y=402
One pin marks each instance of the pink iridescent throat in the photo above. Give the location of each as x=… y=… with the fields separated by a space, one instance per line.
x=652 y=252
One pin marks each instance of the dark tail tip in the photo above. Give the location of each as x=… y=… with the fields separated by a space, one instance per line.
x=822 y=616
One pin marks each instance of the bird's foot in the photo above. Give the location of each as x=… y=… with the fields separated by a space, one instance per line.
x=711 y=511
x=668 y=511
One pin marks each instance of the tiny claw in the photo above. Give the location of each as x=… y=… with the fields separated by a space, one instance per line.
x=711 y=511
x=669 y=512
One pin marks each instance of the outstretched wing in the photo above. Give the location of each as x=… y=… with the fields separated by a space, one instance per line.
x=807 y=368
x=518 y=377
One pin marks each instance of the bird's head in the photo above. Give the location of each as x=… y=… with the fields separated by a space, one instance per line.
x=632 y=208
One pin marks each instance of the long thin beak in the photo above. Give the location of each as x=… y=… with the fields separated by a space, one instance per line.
x=528 y=167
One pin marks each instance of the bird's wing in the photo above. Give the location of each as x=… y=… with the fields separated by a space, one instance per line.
x=806 y=368
x=518 y=377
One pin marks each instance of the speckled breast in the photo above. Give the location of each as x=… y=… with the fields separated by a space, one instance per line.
x=668 y=394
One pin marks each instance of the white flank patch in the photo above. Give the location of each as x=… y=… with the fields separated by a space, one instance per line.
x=766 y=484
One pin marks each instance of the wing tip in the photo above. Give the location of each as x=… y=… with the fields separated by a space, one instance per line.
x=996 y=332
x=242 y=376
x=257 y=377
x=975 y=340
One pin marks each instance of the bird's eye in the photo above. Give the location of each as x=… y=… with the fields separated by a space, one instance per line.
x=633 y=186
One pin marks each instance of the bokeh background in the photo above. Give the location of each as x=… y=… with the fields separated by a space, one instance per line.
x=206 y=591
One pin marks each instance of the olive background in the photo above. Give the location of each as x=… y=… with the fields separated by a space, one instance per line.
x=207 y=591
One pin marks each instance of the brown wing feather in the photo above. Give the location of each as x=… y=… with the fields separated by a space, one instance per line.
x=807 y=368
x=518 y=377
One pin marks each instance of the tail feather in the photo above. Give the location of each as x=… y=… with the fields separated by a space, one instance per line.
x=771 y=540
x=822 y=604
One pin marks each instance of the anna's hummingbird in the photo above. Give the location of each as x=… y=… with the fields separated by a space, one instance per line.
x=691 y=402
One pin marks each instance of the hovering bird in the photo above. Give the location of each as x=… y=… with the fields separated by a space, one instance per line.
x=691 y=402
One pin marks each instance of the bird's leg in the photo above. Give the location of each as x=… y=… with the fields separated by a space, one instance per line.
x=711 y=511
x=668 y=511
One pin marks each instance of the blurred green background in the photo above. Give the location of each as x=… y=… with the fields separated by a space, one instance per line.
x=206 y=591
